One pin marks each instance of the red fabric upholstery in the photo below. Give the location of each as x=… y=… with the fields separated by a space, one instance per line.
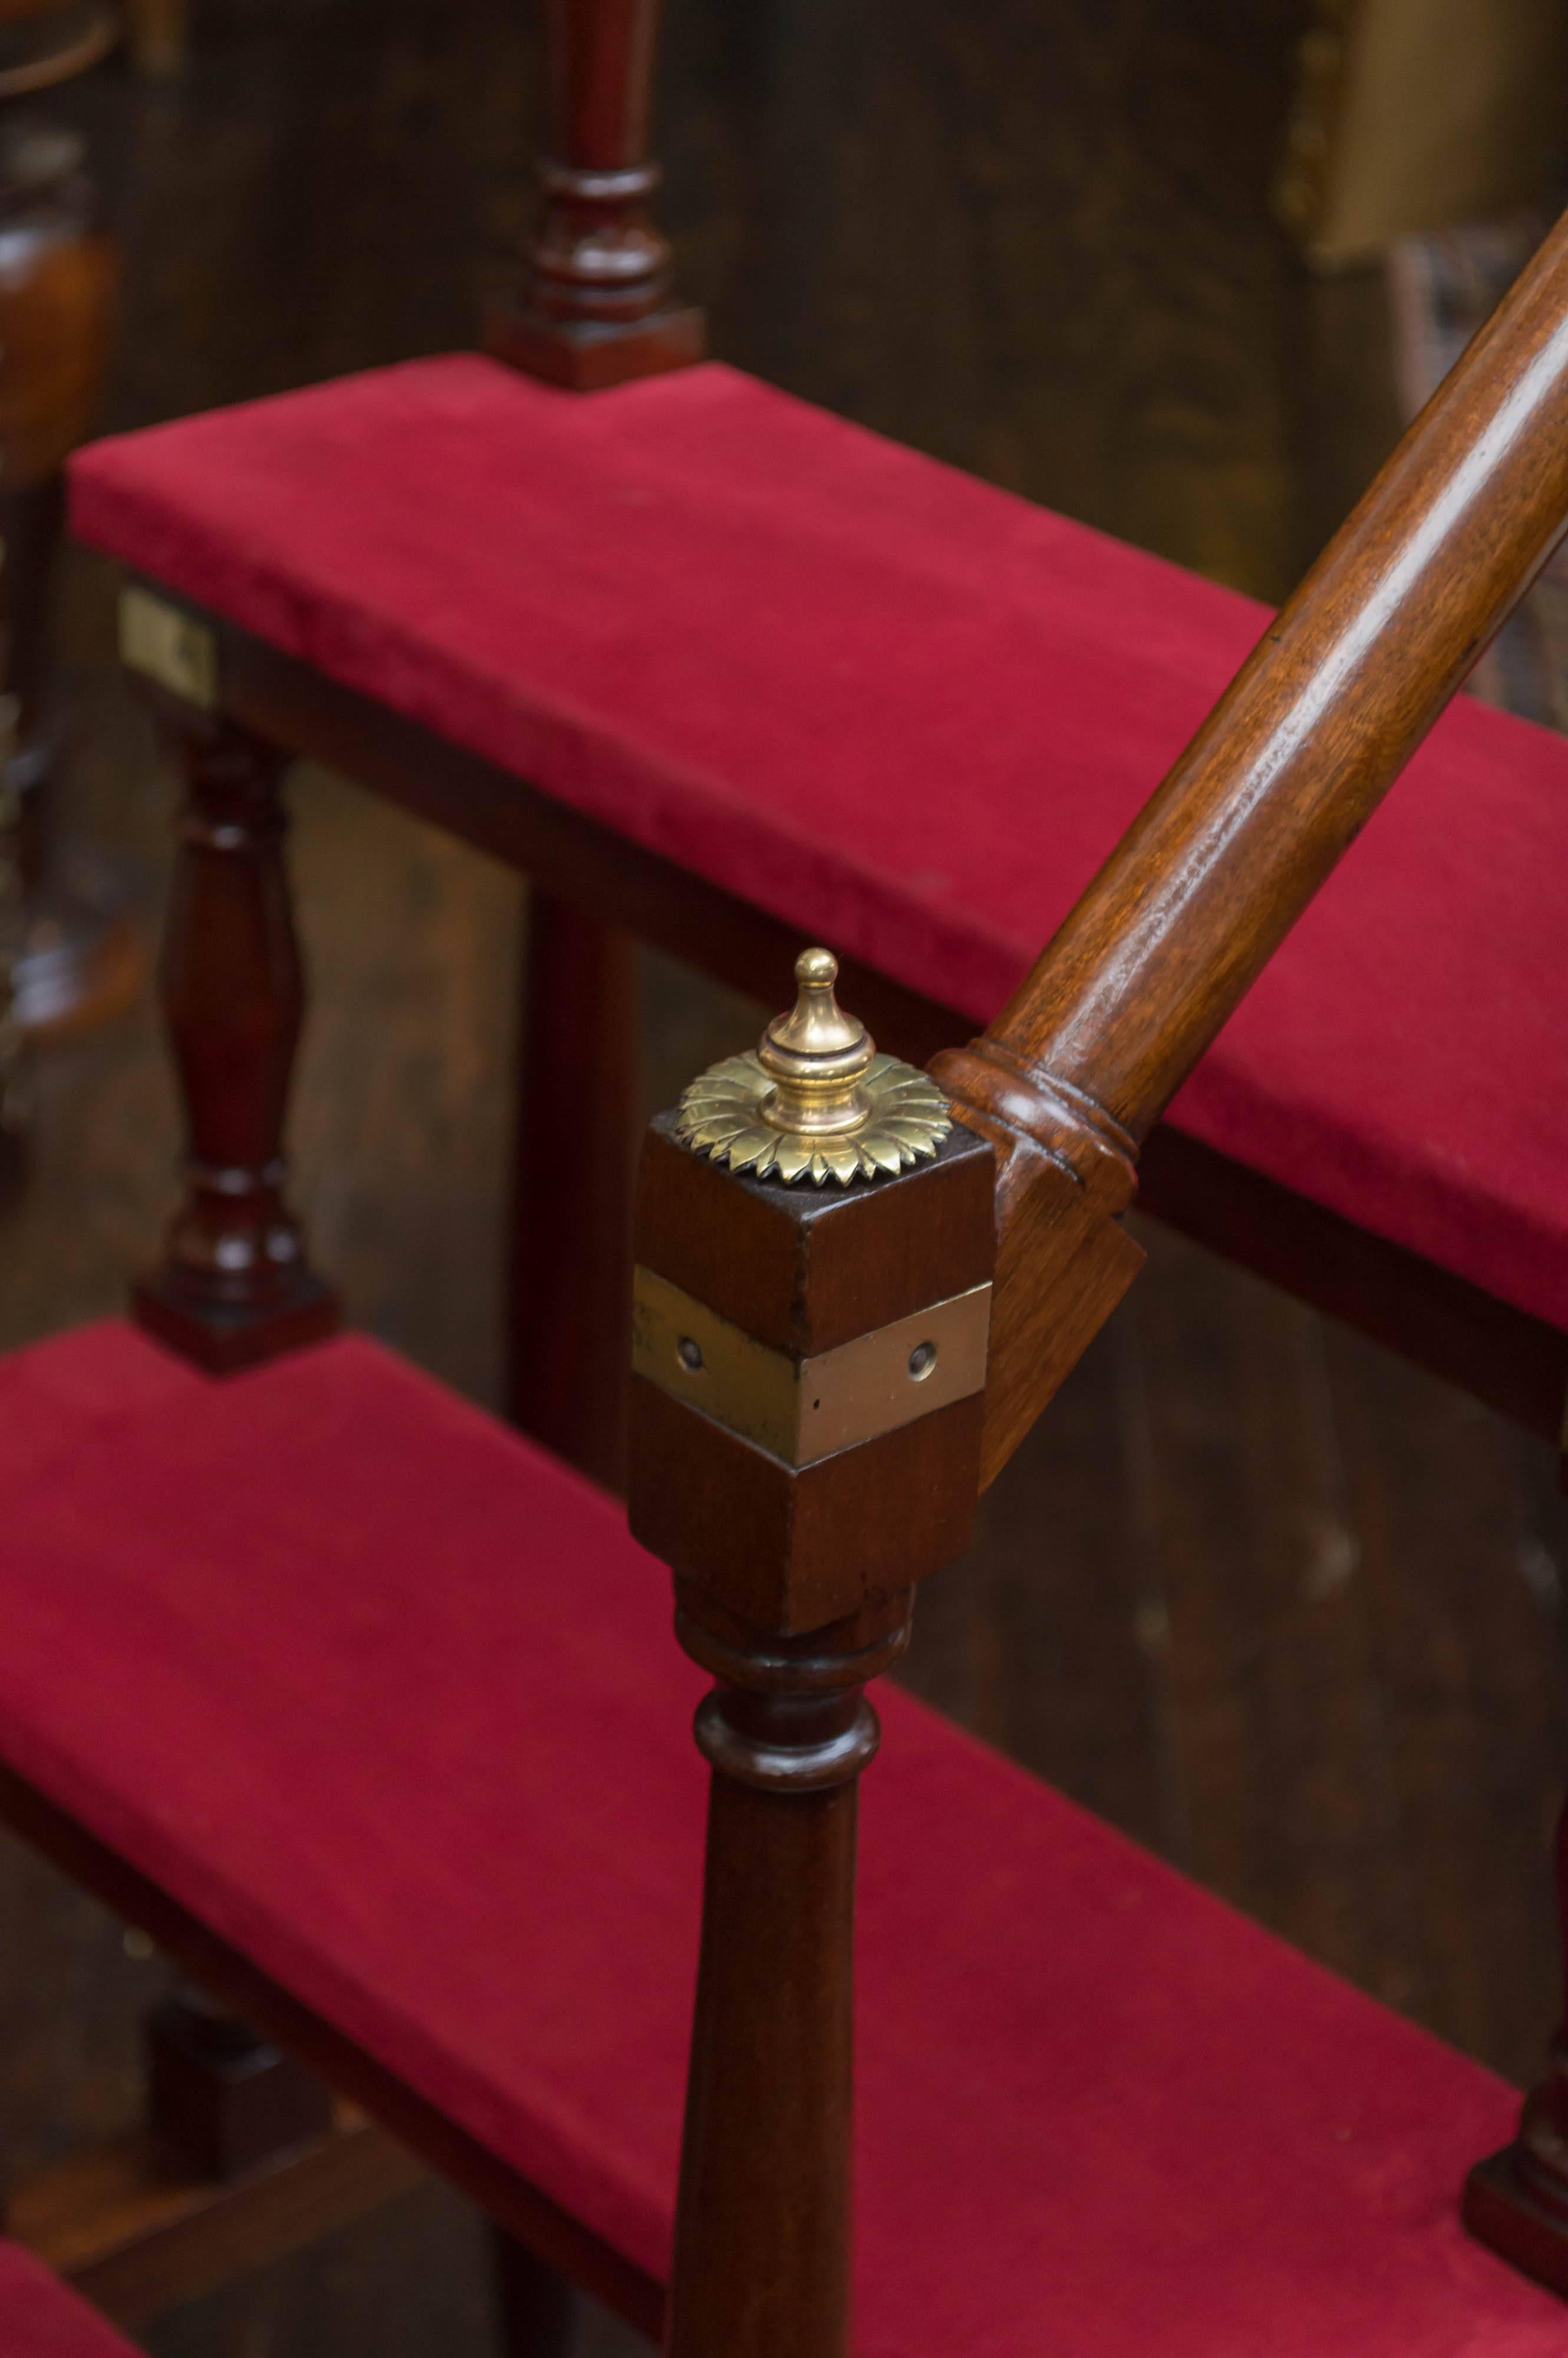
x=39 y=2319
x=391 y=1700
x=905 y=711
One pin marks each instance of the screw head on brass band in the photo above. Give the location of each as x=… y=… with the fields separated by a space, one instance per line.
x=815 y=1100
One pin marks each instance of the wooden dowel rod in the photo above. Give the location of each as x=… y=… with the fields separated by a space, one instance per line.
x=1335 y=699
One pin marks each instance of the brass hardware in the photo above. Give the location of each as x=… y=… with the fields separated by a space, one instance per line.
x=802 y=1410
x=814 y=1099
x=169 y=646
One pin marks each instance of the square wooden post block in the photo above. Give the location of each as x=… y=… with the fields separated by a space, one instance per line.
x=809 y=1374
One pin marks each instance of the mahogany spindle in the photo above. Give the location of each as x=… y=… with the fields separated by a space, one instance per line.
x=572 y=1223
x=762 y=2265
x=795 y=1562
x=597 y=312
x=235 y=1287
x=598 y=308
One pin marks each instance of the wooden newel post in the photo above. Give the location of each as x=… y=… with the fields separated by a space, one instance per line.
x=235 y=1287
x=597 y=307
x=808 y=1368
x=763 y=2240
x=596 y=310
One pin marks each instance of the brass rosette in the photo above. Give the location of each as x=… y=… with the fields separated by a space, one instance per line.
x=816 y=1100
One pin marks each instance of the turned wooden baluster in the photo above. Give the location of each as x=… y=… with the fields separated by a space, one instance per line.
x=763 y=2236
x=235 y=1287
x=777 y=1557
x=571 y=1205
x=798 y=1512
x=598 y=309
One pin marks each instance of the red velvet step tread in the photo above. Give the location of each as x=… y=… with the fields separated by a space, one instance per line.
x=391 y=1700
x=907 y=713
x=40 y=2319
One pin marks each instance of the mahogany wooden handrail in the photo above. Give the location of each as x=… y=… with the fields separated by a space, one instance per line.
x=1329 y=707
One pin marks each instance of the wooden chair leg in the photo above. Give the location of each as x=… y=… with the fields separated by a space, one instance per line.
x=570 y=1284
x=221 y=2097
x=1517 y=2201
x=537 y=2309
x=235 y=1287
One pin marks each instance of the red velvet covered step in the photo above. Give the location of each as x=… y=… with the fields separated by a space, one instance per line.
x=40 y=2319
x=389 y=1700
x=833 y=676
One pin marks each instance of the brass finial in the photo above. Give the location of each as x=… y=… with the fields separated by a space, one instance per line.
x=814 y=1099
x=816 y=1056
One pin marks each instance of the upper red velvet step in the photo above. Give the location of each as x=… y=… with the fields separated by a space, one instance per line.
x=389 y=1699
x=905 y=712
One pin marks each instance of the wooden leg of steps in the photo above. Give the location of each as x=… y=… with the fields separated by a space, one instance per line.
x=137 y=2233
x=537 y=2308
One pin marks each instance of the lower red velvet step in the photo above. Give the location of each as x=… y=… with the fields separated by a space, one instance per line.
x=391 y=1701
x=39 y=2319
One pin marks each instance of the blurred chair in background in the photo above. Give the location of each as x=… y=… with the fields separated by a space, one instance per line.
x=80 y=959
x=156 y=31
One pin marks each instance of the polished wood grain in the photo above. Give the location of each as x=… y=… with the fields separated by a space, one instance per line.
x=762 y=2225
x=762 y=2260
x=1340 y=690
x=787 y=1549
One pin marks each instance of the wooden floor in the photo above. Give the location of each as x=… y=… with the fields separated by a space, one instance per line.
x=1283 y=1609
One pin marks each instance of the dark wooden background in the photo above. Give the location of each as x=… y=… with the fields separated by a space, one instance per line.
x=1283 y=1609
